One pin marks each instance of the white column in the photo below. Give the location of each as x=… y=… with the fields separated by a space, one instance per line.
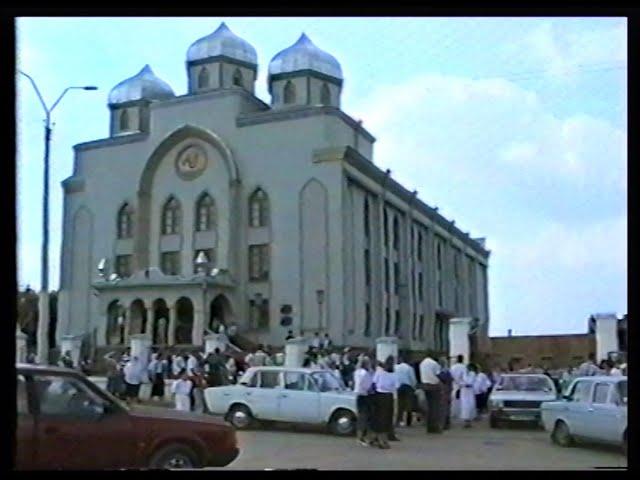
x=606 y=335
x=294 y=351
x=171 y=336
x=141 y=348
x=198 y=326
x=213 y=341
x=459 y=337
x=72 y=343
x=386 y=346
x=21 y=347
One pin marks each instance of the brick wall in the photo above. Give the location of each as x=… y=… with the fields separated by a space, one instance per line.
x=556 y=351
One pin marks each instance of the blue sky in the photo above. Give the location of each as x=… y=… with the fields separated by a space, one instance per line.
x=515 y=128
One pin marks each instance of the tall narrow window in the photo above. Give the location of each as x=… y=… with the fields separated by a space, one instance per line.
x=289 y=93
x=419 y=245
x=414 y=326
x=385 y=227
x=123 y=266
x=124 y=120
x=386 y=275
x=421 y=327
x=171 y=217
x=237 y=78
x=258 y=209
x=325 y=95
x=396 y=278
x=205 y=213
x=420 y=286
x=258 y=262
x=396 y=329
x=125 y=221
x=367 y=320
x=439 y=256
x=170 y=263
x=387 y=321
x=396 y=233
x=367 y=225
x=367 y=267
x=203 y=78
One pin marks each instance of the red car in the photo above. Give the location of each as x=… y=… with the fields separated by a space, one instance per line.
x=64 y=421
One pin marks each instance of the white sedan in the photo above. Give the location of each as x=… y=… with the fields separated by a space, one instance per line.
x=593 y=409
x=282 y=394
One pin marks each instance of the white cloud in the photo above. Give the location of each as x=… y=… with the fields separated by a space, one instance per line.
x=546 y=191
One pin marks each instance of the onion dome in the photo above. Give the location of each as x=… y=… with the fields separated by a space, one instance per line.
x=142 y=86
x=222 y=42
x=304 y=55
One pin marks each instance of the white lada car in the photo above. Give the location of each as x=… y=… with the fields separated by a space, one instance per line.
x=290 y=395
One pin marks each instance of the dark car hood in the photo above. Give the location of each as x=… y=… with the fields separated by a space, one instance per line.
x=148 y=412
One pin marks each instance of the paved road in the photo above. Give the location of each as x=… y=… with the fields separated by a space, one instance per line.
x=465 y=449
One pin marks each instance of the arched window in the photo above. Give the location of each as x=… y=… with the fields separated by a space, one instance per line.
x=125 y=221
x=289 y=93
x=171 y=217
x=237 y=78
x=203 y=78
x=325 y=95
x=205 y=213
x=124 y=120
x=258 y=209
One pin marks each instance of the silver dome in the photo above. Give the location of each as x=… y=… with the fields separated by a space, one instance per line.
x=143 y=85
x=304 y=55
x=222 y=42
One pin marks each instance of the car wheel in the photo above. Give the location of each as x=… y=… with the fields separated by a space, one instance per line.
x=561 y=435
x=343 y=423
x=240 y=417
x=174 y=457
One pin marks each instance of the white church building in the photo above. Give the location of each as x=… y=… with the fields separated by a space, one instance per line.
x=214 y=205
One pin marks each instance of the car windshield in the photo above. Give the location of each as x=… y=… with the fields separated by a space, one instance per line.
x=525 y=383
x=328 y=382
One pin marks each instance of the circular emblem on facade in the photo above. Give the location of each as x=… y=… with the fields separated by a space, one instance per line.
x=191 y=162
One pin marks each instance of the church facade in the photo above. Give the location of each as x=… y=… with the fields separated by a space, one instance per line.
x=215 y=206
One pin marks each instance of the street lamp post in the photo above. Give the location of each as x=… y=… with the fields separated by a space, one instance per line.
x=43 y=303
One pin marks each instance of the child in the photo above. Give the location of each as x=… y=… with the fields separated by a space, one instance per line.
x=181 y=388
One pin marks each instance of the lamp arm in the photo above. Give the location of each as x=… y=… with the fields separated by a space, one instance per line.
x=35 y=87
x=60 y=98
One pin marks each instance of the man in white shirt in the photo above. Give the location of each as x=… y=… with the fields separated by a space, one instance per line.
x=133 y=378
x=589 y=368
x=429 y=370
x=315 y=343
x=192 y=364
x=406 y=392
x=362 y=383
x=458 y=371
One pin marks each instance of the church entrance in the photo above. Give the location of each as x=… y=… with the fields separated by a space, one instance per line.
x=184 y=326
x=219 y=312
x=160 y=322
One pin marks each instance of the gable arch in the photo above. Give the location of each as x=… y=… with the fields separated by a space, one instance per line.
x=183 y=133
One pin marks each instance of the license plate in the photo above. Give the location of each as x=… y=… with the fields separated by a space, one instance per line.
x=522 y=417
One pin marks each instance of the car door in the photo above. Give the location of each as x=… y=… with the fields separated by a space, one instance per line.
x=25 y=427
x=299 y=400
x=605 y=414
x=76 y=428
x=579 y=403
x=264 y=398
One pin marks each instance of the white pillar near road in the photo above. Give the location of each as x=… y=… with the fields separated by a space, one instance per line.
x=606 y=334
x=459 y=344
x=294 y=352
x=72 y=343
x=213 y=341
x=386 y=346
x=140 y=344
x=21 y=347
